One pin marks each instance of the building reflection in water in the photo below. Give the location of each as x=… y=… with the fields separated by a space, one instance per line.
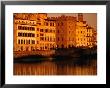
x=56 y=68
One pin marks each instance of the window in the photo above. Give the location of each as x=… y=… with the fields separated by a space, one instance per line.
x=24 y=41
x=62 y=39
x=45 y=47
x=53 y=24
x=37 y=29
x=50 y=24
x=50 y=39
x=19 y=27
x=41 y=30
x=23 y=35
x=53 y=31
x=33 y=35
x=46 y=30
x=50 y=30
x=37 y=35
x=58 y=31
x=58 y=39
x=18 y=41
x=41 y=38
x=29 y=41
x=41 y=34
x=33 y=28
x=46 y=24
x=45 y=38
x=37 y=42
x=23 y=28
x=39 y=23
x=28 y=28
x=33 y=41
x=21 y=41
x=29 y=34
x=19 y=34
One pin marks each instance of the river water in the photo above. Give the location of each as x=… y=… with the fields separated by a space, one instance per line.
x=75 y=66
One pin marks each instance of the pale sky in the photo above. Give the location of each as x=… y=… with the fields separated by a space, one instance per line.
x=91 y=18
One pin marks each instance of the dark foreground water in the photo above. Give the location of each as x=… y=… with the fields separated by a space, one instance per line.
x=75 y=66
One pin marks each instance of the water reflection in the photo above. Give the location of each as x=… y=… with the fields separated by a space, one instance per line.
x=75 y=66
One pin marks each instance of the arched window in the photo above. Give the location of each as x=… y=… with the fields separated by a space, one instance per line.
x=18 y=41
x=21 y=41
x=24 y=41
x=29 y=41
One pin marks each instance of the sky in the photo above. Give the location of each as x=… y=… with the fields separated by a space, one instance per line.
x=91 y=18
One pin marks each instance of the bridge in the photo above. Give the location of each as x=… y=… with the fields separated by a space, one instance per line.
x=18 y=54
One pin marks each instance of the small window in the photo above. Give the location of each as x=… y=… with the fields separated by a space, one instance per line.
x=37 y=35
x=50 y=24
x=41 y=34
x=18 y=41
x=46 y=30
x=33 y=35
x=58 y=31
x=21 y=41
x=58 y=39
x=37 y=29
x=50 y=30
x=41 y=30
x=33 y=41
x=46 y=24
x=29 y=41
x=41 y=38
x=24 y=41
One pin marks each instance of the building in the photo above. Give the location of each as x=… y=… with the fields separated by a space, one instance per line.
x=47 y=34
x=33 y=32
x=37 y=31
x=24 y=33
x=65 y=31
x=84 y=34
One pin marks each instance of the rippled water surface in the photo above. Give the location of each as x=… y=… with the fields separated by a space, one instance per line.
x=75 y=66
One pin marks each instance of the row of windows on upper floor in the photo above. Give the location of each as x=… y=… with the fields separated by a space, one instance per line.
x=25 y=41
x=33 y=29
x=47 y=48
x=46 y=30
x=83 y=31
x=25 y=22
x=79 y=31
x=26 y=28
x=73 y=39
x=49 y=39
x=84 y=39
x=35 y=22
x=20 y=34
x=49 y=24
x=84 y=35
x=83 y=44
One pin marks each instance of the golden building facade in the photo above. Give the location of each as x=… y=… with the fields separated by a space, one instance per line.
x=65 y=31
x=37 y=31
x=84 y=34
x=33 y=32
x=47 y=37
x=24 y=35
